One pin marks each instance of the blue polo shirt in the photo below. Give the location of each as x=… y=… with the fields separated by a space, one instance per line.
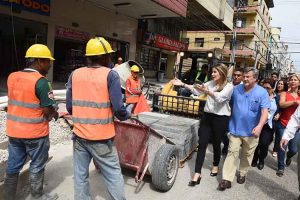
x=246 y=109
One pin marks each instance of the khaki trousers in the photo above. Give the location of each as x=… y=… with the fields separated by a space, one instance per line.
x=249 y=145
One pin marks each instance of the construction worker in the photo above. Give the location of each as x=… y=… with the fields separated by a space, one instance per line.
x=93 y=97
x=202 y=74
x=120 y=61
x=30 y=108
x=133 y=89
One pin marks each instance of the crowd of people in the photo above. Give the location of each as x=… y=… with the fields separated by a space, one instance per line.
x=242 y=114
x=93 y=99
x=246 y=114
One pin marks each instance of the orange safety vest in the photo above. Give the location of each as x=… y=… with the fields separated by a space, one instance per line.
x=91 y=107
x=25 y=117
x=135 y=85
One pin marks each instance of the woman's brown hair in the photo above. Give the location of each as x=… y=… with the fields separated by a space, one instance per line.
x=222 y=69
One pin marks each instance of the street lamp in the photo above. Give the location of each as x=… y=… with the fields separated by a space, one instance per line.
x=180 y=64
x=210 y=54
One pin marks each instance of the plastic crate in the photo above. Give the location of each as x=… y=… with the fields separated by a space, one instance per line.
x=178 y=105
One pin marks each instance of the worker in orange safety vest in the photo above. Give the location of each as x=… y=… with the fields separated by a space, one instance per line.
x=30 y=108
x=93 y=98
x=133 y=89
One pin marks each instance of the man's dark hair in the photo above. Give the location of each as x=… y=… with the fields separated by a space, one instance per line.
x=238 y=69
x=275 y=73
x=30 y=62
x=103 y=60
x=204 y=67
x=93 y=60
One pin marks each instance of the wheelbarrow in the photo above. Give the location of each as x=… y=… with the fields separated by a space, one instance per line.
x=144 y=150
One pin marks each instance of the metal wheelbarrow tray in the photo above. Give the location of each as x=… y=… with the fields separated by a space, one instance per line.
x=147 y=146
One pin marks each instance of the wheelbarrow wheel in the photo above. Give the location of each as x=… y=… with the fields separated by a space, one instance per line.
x=165 y=167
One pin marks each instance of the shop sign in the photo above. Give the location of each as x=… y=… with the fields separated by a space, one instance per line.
x=164 y=42
x=41 y=7
x=68 y=33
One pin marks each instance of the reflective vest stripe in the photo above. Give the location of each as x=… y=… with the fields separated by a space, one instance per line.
x=92 y=110
x=25 y=120
x=92 y=121
x=25 y=117
x=23 y=104
x=133 y=95
x=90 y=104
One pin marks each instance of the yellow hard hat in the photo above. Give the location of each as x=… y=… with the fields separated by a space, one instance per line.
x=135 y=68
x=39 y=51
x=98 y=46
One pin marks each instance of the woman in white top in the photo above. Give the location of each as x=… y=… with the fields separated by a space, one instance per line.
x=215 y=119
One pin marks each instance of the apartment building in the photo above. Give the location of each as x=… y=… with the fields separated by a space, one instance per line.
x=278 y=54
x=252 y=35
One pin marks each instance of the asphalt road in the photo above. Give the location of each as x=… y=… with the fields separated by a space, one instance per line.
x=260 y=184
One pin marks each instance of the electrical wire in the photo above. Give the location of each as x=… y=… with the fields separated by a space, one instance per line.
x=14 y=35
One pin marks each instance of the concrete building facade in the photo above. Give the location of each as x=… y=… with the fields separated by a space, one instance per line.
x=278 y=54
x=252 y=35
x=66 y=26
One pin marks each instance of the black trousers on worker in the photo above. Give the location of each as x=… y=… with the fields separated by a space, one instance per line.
x=212 y=127
x=265 y=140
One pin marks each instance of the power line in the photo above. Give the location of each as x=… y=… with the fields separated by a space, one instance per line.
x=292 y=52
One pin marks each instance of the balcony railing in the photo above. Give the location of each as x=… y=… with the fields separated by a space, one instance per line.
x=243 y=52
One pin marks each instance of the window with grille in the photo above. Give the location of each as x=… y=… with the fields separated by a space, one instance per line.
x=199 y=42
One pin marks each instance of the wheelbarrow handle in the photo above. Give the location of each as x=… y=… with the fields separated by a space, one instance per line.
x=137 y=121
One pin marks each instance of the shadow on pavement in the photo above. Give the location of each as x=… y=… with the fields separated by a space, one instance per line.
x=269 y=187
x=54 y=176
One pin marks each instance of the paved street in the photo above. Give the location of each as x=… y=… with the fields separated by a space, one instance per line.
x=259 y=184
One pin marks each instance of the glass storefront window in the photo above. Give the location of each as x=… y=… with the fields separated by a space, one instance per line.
x=16 y=36
x=149 y=58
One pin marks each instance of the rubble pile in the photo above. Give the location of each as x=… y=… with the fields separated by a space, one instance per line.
x=2 y=126
x=3 y=155
x=59 y=131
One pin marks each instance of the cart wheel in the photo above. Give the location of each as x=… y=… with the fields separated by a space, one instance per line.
x=165 y=167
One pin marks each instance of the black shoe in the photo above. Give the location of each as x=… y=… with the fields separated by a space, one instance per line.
x=193 y=183
x=280 y=173
x=36 y=187
x=241 y=179
x=223 y=185
x=288 y=161
x=213 y=174
x=10 y=186
x=260 y=165
x=254 y=164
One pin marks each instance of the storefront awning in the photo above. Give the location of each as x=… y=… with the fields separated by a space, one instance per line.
x=141 y=9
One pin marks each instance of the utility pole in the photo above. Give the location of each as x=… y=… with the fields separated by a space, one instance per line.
x=233 y=41
x=237 y=24
x=257 y=45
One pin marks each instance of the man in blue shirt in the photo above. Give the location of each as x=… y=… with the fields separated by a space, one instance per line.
x=249 y=104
